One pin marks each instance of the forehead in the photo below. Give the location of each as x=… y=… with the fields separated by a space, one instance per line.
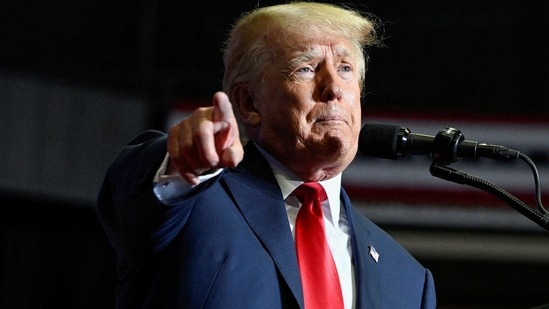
x=320 y=48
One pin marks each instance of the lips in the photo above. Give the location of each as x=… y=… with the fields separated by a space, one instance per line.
x=331 y=118
x=331 y=113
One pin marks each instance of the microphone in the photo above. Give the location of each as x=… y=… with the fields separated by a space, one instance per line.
x=389 y=141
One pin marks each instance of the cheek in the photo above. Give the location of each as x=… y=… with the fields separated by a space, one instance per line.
x=354 y=109
x=289 y=109
x=280 y=121
x=357 y=116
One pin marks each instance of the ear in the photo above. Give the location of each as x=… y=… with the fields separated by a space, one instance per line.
x=244 y=104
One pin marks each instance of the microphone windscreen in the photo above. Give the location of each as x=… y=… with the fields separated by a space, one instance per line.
x=379 y=140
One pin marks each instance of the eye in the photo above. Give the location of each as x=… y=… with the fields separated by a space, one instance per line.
x=305 y=72
x=346 y=68
x=306 y=69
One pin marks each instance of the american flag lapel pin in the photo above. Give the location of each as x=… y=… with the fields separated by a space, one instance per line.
x=374 y=254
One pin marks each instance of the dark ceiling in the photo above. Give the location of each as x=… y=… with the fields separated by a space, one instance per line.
x=466 y=56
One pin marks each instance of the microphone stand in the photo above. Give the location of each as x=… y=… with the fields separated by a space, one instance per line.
x=459 y=177
x=445 y=152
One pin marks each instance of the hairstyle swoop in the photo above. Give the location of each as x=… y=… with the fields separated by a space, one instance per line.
x=256 y=35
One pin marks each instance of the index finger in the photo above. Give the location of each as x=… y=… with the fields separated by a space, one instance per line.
x=223 y=111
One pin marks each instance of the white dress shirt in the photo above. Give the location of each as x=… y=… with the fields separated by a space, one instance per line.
x=335 y=219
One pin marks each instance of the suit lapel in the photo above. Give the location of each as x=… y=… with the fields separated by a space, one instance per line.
x=367 y=272
x=258 y=197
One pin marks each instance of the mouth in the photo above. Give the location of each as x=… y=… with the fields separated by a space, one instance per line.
x=331 y=119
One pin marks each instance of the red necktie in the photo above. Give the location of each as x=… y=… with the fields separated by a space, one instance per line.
x=321 y=288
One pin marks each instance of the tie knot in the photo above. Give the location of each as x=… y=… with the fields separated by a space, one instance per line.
x=310 y=191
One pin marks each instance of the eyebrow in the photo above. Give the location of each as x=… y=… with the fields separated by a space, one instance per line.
x=305 y=57
x=311 y=54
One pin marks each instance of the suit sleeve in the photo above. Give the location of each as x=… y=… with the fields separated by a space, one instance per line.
x=135 y=221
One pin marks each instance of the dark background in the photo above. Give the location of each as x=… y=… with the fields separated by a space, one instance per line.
x=469 y=58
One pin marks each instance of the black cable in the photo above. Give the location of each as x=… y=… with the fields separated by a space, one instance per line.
x=537 y=182
x=459 y=177
x=513 y=201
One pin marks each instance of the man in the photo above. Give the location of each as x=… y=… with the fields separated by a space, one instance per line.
x=200 y=221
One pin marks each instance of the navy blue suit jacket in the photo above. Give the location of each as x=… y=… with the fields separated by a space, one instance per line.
x=228 y=243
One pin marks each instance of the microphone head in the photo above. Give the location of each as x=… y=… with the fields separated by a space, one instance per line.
x=379 y=140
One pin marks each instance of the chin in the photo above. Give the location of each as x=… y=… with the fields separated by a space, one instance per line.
x=334 y=148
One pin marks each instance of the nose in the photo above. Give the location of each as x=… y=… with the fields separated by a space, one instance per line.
x=329 y=84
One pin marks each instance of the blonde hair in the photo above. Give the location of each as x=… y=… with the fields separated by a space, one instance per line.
x=256 y=36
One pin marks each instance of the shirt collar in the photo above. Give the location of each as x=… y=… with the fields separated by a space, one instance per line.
x=288 y=181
